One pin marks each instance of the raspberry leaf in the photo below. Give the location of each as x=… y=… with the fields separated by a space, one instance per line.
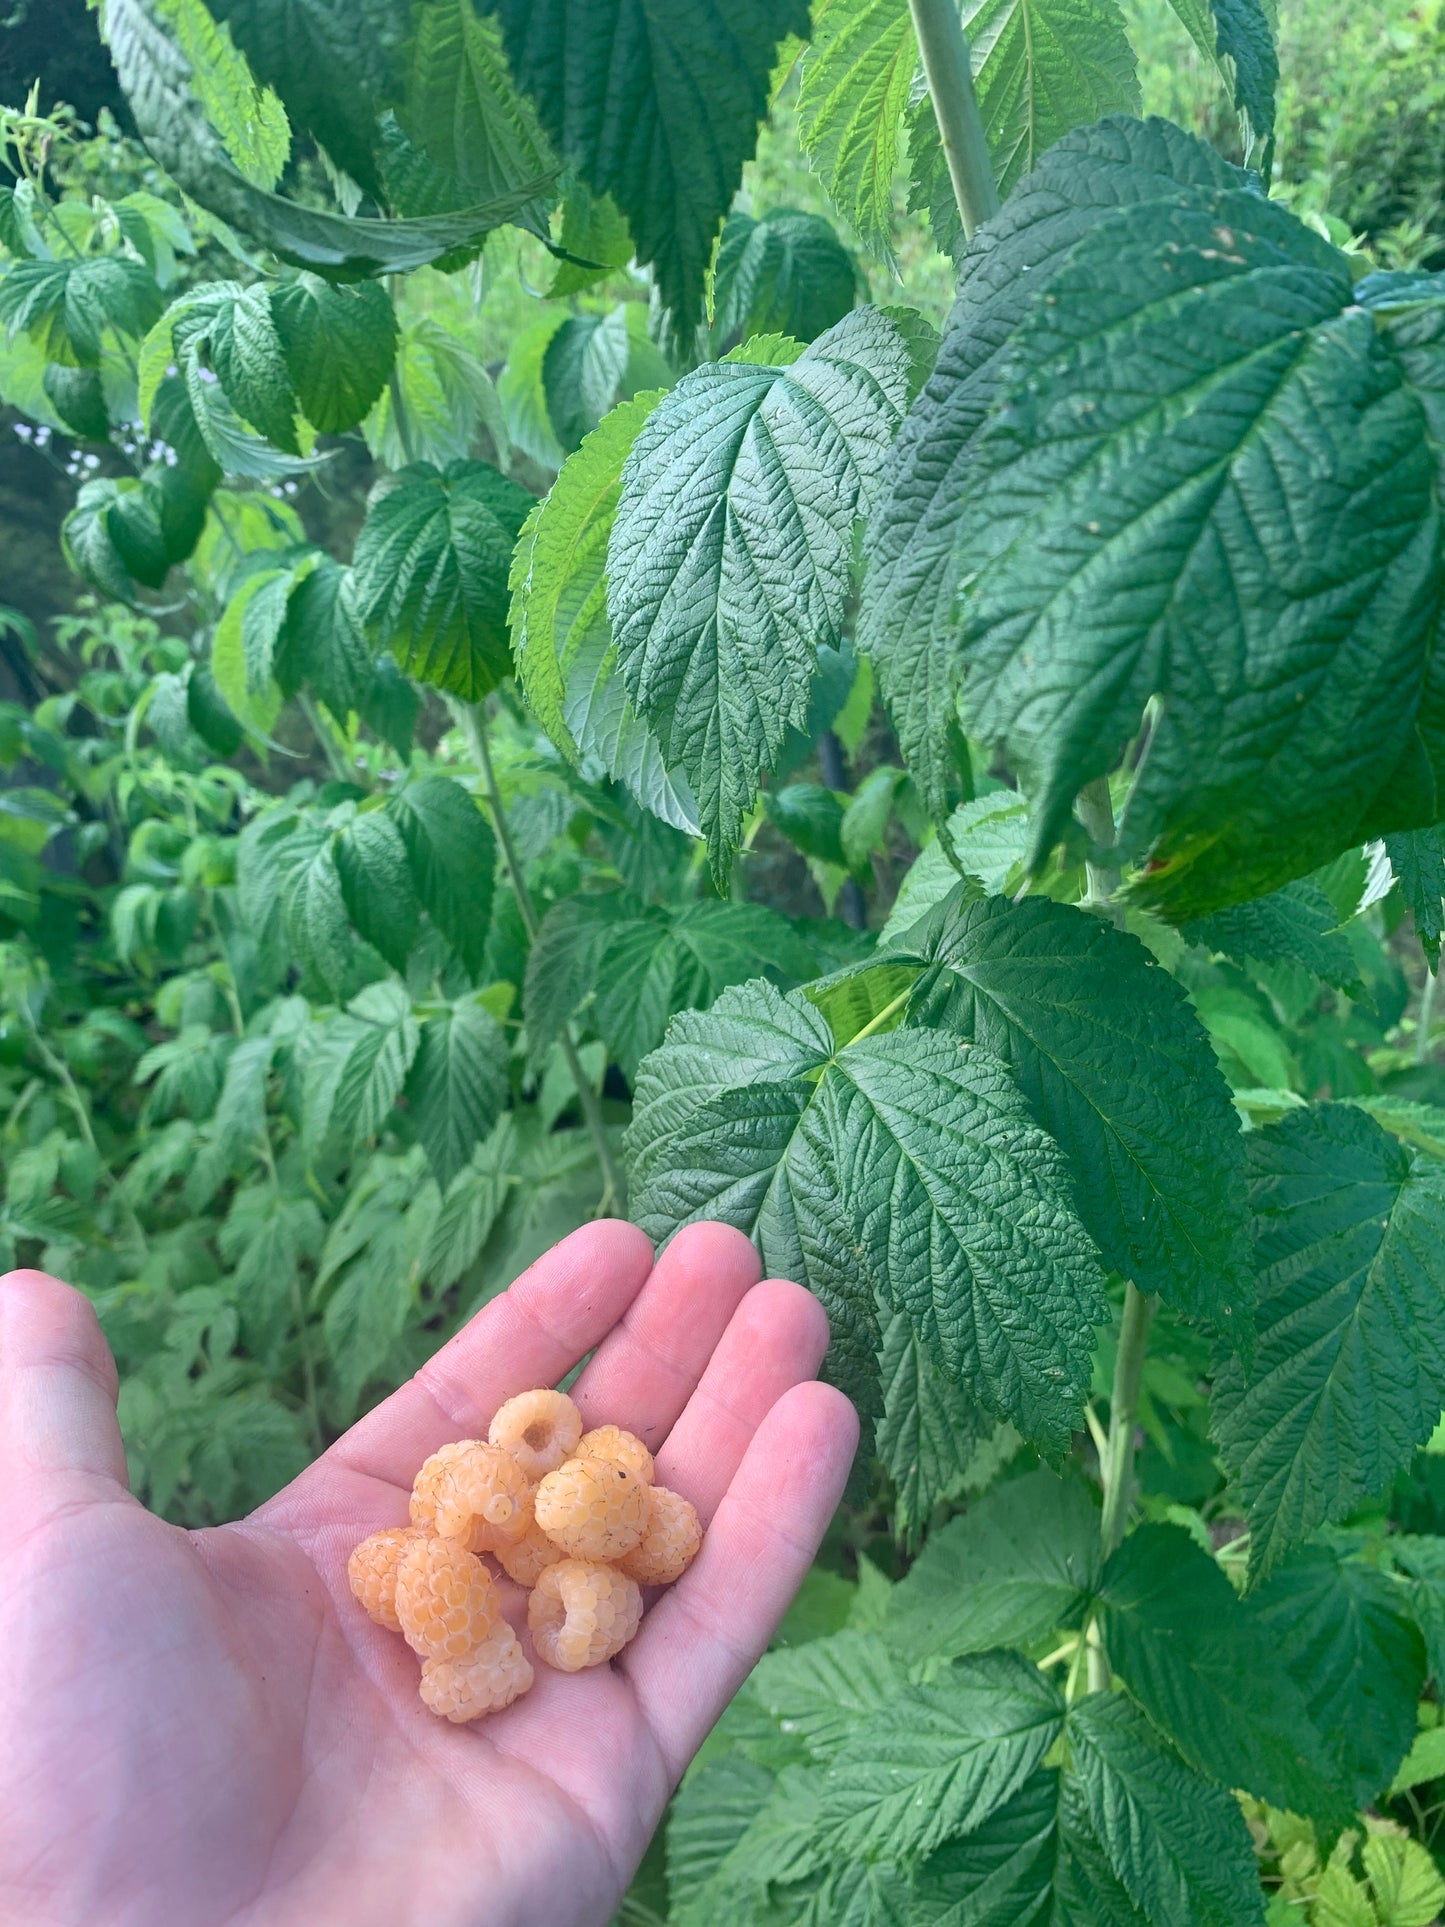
x=457 y=1086
x=453 y=856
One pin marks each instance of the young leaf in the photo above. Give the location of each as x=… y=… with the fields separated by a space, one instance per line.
x=729 y=557
x=453 y=861
x=1195 y=1659
x=1344 y=1633
x=940 y=1759
x=903 y=1167
x=457 y=1086
x=157 y=48
x=1349 y=1373
x=1117 y=1068
x=787 y=274
x=1178 y=1844
x=376 y=885
x=908 y=620
x=987 y=837
x=658 y=107
x=429 y=576
x=853 y=93
x=338 y=345
x=1295 y=925
x=1018 y=1565
x=1289 y=729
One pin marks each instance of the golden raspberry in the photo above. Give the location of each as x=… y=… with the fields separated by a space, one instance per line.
x=372 y=1572
x=525 y=1559
x=446 y=1600
x=539 y=1429
x=488 y=1678
x=592 y=1508
x=581 y=1613
x=622 y=1448
x=424 y=1485
x=670 y=1538
x=483 y=1498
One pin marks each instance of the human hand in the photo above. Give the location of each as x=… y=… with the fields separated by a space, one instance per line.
x=205 y=1727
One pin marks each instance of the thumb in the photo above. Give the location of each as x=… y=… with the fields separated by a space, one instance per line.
x=58 y=1384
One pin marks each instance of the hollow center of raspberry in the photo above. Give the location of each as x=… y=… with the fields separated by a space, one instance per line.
x=498 y=1509
x=538 y=1435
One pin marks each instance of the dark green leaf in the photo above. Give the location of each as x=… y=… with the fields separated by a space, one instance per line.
x=1417 y=858
x=312 y=903
x=457 y=1086
x=729 y=557
x=1178 y=1844
x=453 y=861
x=564 y=961
x=1195 y=1659
x=339 y=345
x=66 y=306
x=114 y=536
x=1349 y=1373
x=1018 y=1565
x=245 y=352
x=376 y=885
x=1296 y=925
x=77 y=396
x=1236 y=35
x=321 y=643
x=429 y=577
x=1117 y=1067
x=657 y=103
x=787 y=274
x=583 y=372
x=1345 y=1634
x=811 y=817
x=939 y=1759
x=903 y=1167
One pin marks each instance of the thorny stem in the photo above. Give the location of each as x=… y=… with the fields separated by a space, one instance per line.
x=473 y=722
x=955 y=106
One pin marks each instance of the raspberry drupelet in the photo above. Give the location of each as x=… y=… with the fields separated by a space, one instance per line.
x=592 y=1508
x=527 y=1558
x=372 y=1570
x=610 y=1442
x=446 y=1600
x=539 y=1429
x=485 y=1680
x=581 y=1613
x=483 y=1498
x=670 y=1539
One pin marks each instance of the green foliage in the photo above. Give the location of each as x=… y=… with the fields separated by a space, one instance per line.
x=433 y=815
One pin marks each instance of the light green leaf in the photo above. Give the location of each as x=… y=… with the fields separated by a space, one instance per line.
x=384 y=1041
x=902 y=1168
x=1425 y=1761
x=1178 y=1844
x=822 y=1691
x=338 y=345
x=453 y=861
x=429 y=575
x=940 y=1759
x=470 y=1208
x=1017 y=1566
x=730 y=553
x=787 y=274
x=584 y=371
x=255 y=710
x=670 y=115
x=595 y=237
x=446 y=396
x=1349 y=1373
x=66 y=306
x=1117 y=1069
x=458 y=1085
x=987 y=838
x=853 y=92
x=1193 y=1656
x=376 y=885
x=524 y=402
x=248 y=117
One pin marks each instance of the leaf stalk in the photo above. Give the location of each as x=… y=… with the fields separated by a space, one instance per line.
x=1117 y=1465
x=955 y=105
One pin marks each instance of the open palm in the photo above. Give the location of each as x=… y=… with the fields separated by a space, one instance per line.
x=204 y=1727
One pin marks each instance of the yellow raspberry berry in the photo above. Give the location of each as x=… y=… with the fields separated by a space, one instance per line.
x=539 y=1429
x=483 y=1498
x=525 y=1559
x=446 y=1600
x=592 y=1508
x=622 y=1448
x=488 y=1678
x=581 y=1613
x=670 y=1538
x=372 y=1571
x=425 y=1484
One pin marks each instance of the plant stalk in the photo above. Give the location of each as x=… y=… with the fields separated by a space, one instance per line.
x=1117 y=1465
x=1426 y=1018
x=1096 y=813
x=473 y=722
x=955 y=106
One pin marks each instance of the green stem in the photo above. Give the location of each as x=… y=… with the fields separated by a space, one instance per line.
x=955 y=106
x=335 y=762
x=1426 y=1018
x=1117 y=1466
x=1096 y=813
x=473 y=723
x=877 y=1023
x=398 y=415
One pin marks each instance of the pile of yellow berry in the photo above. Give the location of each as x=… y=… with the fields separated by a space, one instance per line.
x=573 y=1516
